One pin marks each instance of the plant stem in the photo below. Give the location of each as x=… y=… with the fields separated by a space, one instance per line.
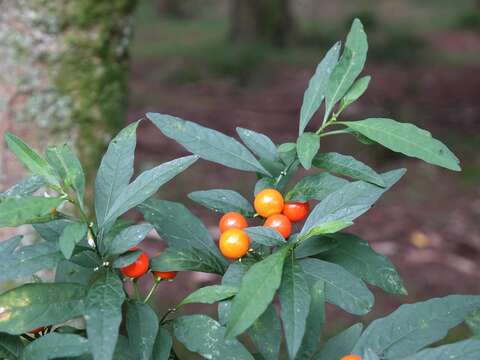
x=164 y=317
x=335 y=132
x=284 y=173
x=152 y=290
x=136 y=289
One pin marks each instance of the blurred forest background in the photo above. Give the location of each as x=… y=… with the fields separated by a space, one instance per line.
x=80 y=70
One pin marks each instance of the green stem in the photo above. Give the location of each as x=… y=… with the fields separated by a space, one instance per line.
x=152 y=290
x=335 y=132
x=164 y=317
x=136 y=289
x=284 y=173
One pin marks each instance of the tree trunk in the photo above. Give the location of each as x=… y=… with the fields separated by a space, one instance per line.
x=63 y=73
x=261 y=20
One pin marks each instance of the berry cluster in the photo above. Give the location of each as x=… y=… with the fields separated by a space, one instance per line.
x=270 y=205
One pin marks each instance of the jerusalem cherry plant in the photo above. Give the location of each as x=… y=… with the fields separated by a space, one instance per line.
x=282 y=255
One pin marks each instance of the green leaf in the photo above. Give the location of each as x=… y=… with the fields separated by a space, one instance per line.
x=146 y=185
x=122 y=350
x=209 y=144
x=329 y=227
x=265 y=236
x=205 y=336
x=142 y=329
x=348 y=68
x=350 y=201
x=407 y=139
x=340 y=345
x=28 y=260
x=25 y=187
x=69 y=272
x=266 y=334
x=15 y=211
x=163 y=345
x=54 y=346
x=357 y=257
x=463 y=350
x=103 y=314
x=7 y=247
x=348 y=166
x=68 y=168
x=33 y=305
x=128 y=238
x=259 y=144
x=473 y=322
x=177 y=226
x=209 y=295
x=288 y=152
x=223 y=201
x=118 y=226
x=317 y=86
x=52 y=230
x=308 y=145
x=315 y=245
x=315 y=322
x=315 y=187
x=413 y=326
x=256 y=292
x=184 y=259
x=264 y=183
x=294 y=295
x=115 y=171
x=357 y=90
x=341 y=288
x=72 y=235
x=127 y=259
x=11 y=347
x=30 y=159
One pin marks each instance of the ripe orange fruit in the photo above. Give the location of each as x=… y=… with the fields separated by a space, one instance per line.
x=37 y=330
x=280 y=223
x=269 y=202
x=165 y=275
x=296 y=211
x=232 y=220
x=234 y=243
x=351 y=357
x=137 y=268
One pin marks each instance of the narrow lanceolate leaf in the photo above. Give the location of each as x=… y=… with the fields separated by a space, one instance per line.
x=369 y=354
x=350 y=201
x=15 y=211
x=308 y=145
x=223 y=201
x=209 y=295
x=103 y=314
x=142 y=328
x=463 y=350
x=30 y=159
x=314 y=246
x=41 y=304
x=294 y=295
x=341 y=344
x=347 y=165
x=179 y=227
x=184 y=259
x=128 y=238
x=69 y=272
x=68 y=168
x=52 y=230
x=25 y=187
x=473 y=322
x=349 y=66
x=28 y=260
x=256 y=292
x=7 y=247
x=356 y=256
x=126 y=259
x=315 y=93
x=265 y=236
x=115 y=171
x=413 y=326
x=266 y=334
x=163 y=345
x=209 y=144
x=287 y=152
x=205 y=336
x=11 y=347
x=407 y=139
x=54 y=346
x=357 y=90
x=341 y=288
x=259 y=144
x=71 y=236
x=315 y=187
x=329 y=227
x=315 y=322
x=146 y=185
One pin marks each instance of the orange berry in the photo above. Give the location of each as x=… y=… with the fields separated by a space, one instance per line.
x=137 y=268
x=269 y=202
x=280 y=223
x=352 y=357
x=232 y=220
x=234 y=243
x=296 y=211
x=165 y=275
x=37 y=330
